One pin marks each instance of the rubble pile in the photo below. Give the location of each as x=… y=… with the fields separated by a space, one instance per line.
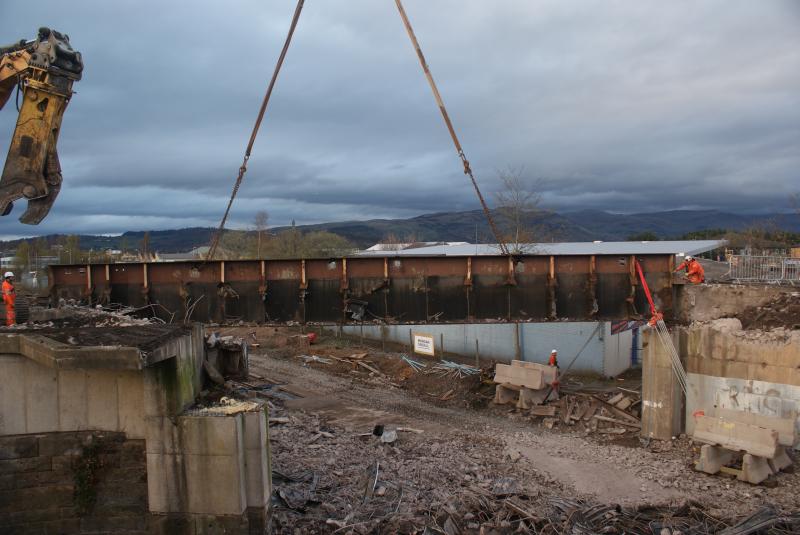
x=224 y=406
x=735 y=327
x=439 y=381
x=342 y=466
x=604 y=413
x=329 y=480
x=69 y=316
x=782 y=311
x=326 y=478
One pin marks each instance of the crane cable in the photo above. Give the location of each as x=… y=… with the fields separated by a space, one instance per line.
x=449 y=124
x=243 y=168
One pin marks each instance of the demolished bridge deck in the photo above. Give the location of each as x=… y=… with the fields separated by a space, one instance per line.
x=400 y=289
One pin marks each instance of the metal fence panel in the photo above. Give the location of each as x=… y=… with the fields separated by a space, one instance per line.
x=771 y=269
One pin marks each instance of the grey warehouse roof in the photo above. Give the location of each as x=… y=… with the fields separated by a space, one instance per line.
x=690 y=247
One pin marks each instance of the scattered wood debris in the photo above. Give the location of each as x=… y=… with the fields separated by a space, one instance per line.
x=594 y=413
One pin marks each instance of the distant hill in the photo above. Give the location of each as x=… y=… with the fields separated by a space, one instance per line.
x=584 y=225
x=165 y=241
x=608 y=227
x=444 y=226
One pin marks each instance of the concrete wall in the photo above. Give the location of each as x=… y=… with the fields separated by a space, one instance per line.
x=37 y=399
x=41 y=399
x=210 y=464
x=617 y=350
x=204 y=473
x=751 y=371
x=606 y=354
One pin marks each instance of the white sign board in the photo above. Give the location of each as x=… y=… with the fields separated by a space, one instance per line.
x=423 y=344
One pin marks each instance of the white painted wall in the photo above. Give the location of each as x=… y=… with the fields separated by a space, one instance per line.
x=605 y=354
x=616 y=351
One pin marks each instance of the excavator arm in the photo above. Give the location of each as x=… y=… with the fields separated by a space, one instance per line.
x=42 y=73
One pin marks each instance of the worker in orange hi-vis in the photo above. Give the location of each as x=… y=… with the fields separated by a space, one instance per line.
x=694 y=271
x=9 y=297
x=554 y=363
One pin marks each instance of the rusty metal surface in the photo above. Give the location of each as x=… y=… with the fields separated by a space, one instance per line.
x=396 y=290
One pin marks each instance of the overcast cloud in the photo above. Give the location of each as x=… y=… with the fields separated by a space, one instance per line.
x=618 y=105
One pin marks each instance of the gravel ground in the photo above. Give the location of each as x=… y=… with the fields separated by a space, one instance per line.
x=446 y=472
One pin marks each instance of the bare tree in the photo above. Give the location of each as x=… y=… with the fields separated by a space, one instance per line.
x=517 y=203
x=395 y=242
x=260 y=223
x=391 y=242
x=144 y=250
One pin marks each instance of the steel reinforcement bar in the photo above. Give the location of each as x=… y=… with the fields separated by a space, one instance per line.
x=403 y=289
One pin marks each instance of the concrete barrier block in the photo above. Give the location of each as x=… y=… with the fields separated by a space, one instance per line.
x=712 y=458
x=215 y=484
x=12 y=395
x=737 y=436
x=784 y=426
x=519 y=375
x=102 y=400
x=503 y=394
x=130 y=404
x=781 y=461
x=754 y=469
x=211 y=435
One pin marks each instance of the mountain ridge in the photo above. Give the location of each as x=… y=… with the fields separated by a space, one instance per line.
x=580 y=225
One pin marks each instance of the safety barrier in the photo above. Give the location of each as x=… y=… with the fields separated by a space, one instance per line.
x=769 y=269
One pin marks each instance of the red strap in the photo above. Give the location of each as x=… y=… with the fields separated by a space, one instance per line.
x=653 y=310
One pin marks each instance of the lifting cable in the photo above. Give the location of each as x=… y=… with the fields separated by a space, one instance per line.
x=446 y=117
x=243 y=169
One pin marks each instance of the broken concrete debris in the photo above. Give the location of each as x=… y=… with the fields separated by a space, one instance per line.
x=433 y=465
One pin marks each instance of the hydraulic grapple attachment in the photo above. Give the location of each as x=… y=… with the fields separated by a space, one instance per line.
x=42 y=71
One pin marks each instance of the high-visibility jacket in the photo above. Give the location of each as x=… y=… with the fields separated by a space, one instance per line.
x=9 y=297
x=553 y=360
x=694 y=271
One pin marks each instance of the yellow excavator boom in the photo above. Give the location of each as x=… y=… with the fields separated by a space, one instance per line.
x=42 y=73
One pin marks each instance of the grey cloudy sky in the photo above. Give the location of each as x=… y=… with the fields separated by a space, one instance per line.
x=618 y=105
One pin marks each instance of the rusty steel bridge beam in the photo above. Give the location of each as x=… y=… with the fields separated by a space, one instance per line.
x=402 y=289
